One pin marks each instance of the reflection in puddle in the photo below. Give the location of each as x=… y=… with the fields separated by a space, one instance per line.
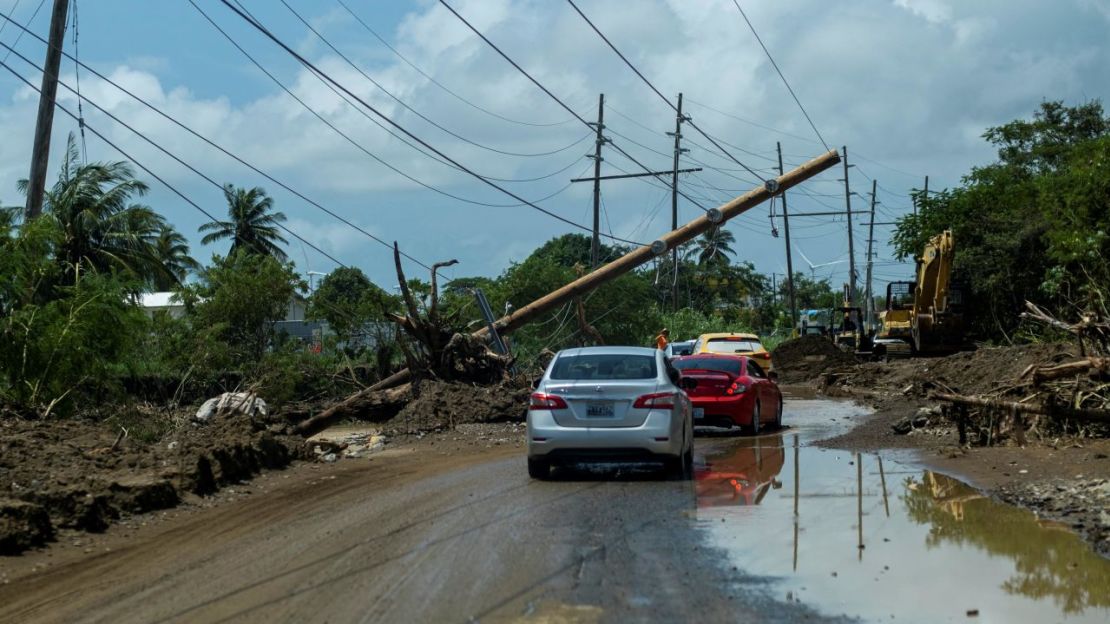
x=858 y=536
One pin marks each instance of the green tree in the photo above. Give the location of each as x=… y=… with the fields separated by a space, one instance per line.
x=172 y=250
x=1030 y=226
x=252 y=226
x=97 y=225
x=240 y=297
x=714 y=247
x=350 y=303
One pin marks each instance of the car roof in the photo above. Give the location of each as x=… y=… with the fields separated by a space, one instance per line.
x=729 y=335
x=608 y=351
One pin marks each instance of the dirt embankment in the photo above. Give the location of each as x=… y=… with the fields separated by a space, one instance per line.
x=82 y=475
x=804 y=359
x=1058 y=468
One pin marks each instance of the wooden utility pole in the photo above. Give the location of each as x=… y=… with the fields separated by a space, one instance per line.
x=520 y=317
x=789 y=257
x=851 y=243
x=40 y=153
x=679 y=118
x=595 y=244
x=870 y=309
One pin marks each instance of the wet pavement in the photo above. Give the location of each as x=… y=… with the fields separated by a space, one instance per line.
x=439 y=533
x=880 y=540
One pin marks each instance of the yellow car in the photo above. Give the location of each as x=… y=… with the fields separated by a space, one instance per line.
x=735 y=344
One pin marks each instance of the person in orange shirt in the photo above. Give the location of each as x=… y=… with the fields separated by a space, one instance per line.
x=662 y=340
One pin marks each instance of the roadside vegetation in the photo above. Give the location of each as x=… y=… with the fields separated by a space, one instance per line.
x=1031 y=226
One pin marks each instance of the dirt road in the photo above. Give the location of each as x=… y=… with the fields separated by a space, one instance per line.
x=432 y=536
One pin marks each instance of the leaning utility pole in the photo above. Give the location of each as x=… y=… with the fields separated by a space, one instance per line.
x=870 y=240
x=40 y=153
x=789 y=258
x=520 y=317
x=679 y=118
x=851 y=244
x=595 y=244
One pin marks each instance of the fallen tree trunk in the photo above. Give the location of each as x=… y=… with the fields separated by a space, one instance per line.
x=386 y=401
x=712 y=219
x=1095 y=415
x=1096 y=366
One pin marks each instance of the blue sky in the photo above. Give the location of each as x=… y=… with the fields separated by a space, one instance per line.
x=907 y=85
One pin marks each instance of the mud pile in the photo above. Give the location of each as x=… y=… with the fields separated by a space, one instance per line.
x=804 y=359
x=74 y=474
x=441 y=405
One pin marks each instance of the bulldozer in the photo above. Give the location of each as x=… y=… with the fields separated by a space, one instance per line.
x=847 y=327
x=929 y=319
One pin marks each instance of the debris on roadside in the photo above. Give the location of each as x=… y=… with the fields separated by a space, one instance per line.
x=804 y=359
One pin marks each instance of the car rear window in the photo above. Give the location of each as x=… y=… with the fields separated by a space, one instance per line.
x=609 y=366
x=733 y=345
x=723 y=365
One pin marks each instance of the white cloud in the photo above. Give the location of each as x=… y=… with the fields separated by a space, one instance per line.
x=910 y=83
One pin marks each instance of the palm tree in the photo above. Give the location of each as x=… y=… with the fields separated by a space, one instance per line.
x=251 y=227
x=714 y=247
x=98 y=226
x=173 y=253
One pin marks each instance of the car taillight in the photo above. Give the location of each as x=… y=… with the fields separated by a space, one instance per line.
x=736 y=388
x=763 y=356
x=659 y=400
x=541 y=401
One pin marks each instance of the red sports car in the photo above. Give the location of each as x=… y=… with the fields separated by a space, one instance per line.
x=732 y=391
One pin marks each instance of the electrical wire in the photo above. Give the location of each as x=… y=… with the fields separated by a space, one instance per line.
x=277 y=41
x=779 y=72
x=8 y=18
x=657 y=92
x=441 y=85
x=215 y=145
x=559 y=101
x=344 y=135
x=77 y=73
x=409 y=108
x=139 y=164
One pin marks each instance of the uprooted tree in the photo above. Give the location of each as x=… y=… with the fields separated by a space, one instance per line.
x=436 y=346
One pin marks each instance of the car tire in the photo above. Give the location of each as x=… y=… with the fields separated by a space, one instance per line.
x=755 y=418
x=688 y=462
x=539 y=468
x=778 y=415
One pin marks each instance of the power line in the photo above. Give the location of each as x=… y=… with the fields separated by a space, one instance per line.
x=559 y=101
x=439 y=84
x=269 y=35
x=779 y=71
x=9 y=19
x=347 y=137
x=213 y=144
x=156 y=176
x=409 y=108
x=657 y=92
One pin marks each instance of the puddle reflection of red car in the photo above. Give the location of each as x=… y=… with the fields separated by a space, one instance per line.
x=740 y=474
x=732 y=391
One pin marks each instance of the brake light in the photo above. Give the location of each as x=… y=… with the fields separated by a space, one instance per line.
x=736 y=388
x=541 y=401
x=659 y=400
x=765 y=355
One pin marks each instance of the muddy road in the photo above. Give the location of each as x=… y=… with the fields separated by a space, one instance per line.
x=460 y=536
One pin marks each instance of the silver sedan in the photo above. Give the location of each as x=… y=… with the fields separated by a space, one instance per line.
x=610 y=404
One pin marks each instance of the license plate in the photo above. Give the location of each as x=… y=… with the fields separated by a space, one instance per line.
x=699 y=412
x=599 y=410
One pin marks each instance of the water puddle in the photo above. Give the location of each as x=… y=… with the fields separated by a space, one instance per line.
x=879 y=540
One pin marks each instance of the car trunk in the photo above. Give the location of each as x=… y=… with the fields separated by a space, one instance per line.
x=601 y=403
x=710 y=383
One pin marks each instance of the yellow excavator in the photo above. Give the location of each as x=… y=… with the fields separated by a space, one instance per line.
x=926 y=316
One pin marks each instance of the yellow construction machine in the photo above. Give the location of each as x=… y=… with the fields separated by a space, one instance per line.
x=928 y=319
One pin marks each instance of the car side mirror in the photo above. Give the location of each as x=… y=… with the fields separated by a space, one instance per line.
x=689 y=383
